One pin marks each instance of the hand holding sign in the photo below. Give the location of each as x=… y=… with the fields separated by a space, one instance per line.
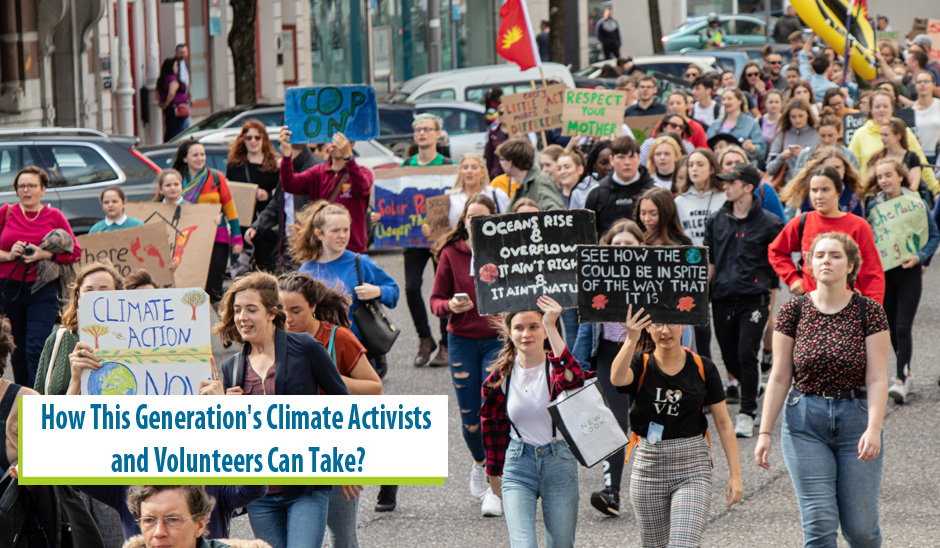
x=636 y=323
x=317 y=114
x=213 y=386
x=81 y=358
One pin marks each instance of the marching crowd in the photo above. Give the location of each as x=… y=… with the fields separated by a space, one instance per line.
x=755 y=167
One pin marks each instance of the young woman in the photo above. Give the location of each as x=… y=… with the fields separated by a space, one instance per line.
x=113 y=201
x=678 y=103
x=771 y=118
x=548 y=159
x=172 y=92
x=796 y=193
x=313 y=308
x=663 y=156
x=472 y=339
x=795 y=132
x=754 y=81
x=656 y=213
x=598 y=163
x=680 y=183
x=670 y=487
x=803 y=90
x=671 y=123
x=734 y=155
x=903 y=284
x=927 y=114
x=139 y=279
x=526 y=459
x=867 y=139
x=471 y=179
x=825 y=187
x=829 y=132
x=575 y=186
x=834 y=344
x=204 y=185
x=525 y=205
x=736 y=123
x=894 y=137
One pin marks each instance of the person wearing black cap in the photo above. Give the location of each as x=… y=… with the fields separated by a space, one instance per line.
x=741 y=280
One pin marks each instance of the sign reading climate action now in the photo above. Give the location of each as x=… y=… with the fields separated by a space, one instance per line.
x=671 y=283
x=518 y=258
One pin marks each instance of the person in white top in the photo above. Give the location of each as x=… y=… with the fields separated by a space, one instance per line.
x=927 y=114
x=471 y=179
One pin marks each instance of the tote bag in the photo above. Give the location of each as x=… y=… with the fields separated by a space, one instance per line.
x=587 y=423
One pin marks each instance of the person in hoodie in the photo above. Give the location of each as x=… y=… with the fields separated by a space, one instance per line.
x=517 y=158
x=615 y=195
x=741 y=282
x=795 y=132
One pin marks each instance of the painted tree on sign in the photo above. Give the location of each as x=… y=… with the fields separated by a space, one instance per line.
x=194 y=299
x=96 y=330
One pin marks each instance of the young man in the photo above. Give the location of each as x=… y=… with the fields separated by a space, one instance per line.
x=543 y=40
x=517 y=158
x=706 y=109
x=815 y=75
x=613 y=198
x=607 y=31
x=646 y=103
x=627 y=84
x=773 y=64
x=741 y=280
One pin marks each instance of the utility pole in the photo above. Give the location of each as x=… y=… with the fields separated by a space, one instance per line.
x=125 y=87
x=434 y=36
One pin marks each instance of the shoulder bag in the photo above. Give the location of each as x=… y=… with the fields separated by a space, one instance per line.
x=376 y=330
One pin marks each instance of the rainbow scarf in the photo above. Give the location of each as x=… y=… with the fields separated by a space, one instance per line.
x=192 y=189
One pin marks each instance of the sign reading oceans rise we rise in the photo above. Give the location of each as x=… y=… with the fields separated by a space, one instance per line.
x=316 y=114
x=593 y=112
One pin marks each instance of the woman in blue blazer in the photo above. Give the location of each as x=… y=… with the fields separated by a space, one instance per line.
x=738 y=123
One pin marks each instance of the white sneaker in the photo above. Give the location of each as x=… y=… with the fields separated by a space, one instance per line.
x=492 y=506
x=478 y=482
x=744 y=426
x=899 y=389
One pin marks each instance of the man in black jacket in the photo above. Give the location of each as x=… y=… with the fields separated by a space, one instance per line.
x=614 y=197
x=741 y=280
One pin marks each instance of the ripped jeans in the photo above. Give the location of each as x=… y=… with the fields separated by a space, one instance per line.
x=470 y=360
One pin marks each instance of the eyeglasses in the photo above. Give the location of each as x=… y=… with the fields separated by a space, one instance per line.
x=170 y=522
x=252 y=137
x=661 y=326
x=29 y=186
x=426 y=129
x=691 y=74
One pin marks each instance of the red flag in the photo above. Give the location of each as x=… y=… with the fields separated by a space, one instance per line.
x=515 y=41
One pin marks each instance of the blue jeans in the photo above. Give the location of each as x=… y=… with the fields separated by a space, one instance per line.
x=32 y=316
x=549 y=472
x=820 y=446
x=569 y=319
x=469 y=360
x=341 y=520
x=290 y=522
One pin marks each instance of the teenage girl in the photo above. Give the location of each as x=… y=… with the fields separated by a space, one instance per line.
x=113 y=201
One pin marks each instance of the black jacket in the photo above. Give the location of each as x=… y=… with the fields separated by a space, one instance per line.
x=738 y=249
x=612 y=201
x=272 y=216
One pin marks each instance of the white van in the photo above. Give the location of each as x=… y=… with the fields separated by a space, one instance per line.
x=471 y=84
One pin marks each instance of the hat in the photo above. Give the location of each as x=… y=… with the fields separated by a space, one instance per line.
x=923 y=41
x=745 y=172
x=727 y=137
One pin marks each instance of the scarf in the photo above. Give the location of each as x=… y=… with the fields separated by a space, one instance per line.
x=192 y=189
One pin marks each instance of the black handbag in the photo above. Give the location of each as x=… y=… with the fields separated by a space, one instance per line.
x=376 y=330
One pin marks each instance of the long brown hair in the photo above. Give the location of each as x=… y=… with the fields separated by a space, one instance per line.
x=795 y=103
x=459 y=232
x=713 y=182
x=899 y=128
x=238 y=156
x=330 y=305
x=266 y=286
x=852 y=252
x=70 y=315
x=507 y=355
x=669 y=226
x=303 y=242
x=871 y=186
x=798 y=188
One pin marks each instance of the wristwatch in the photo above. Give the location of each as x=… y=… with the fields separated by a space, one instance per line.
x=349 y=158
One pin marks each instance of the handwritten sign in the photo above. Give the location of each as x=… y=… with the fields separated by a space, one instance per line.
x=150 y=341
x=850 y=124
x=642 y=126
x=438 y=216
x=933 y=32
x=245 y=197
x=533 y=111
x=519 y=257
x=316 y=114
x=671 y=283
x=900 y=227
x=128 y=249
x=594 y=112
x=401 y=195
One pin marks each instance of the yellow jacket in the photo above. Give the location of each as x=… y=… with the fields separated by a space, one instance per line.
x=867 y=142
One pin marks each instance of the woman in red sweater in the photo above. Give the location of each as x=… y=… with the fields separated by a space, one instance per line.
x=825 y=187
x=472 y=340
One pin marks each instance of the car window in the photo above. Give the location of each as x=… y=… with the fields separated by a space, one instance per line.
x=275 y=118
x=459 y=121
x=77 y=164
x=437 y=95
x=393 y=121
x=164 y=160
x=12 y=159
x=672 y=69
x=217 y=160
x=476 y=94
x=725 y=63
x=748 y=28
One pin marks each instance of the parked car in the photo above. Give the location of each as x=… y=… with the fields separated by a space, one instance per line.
x=81 y=163
x=464 y=124
x=737 y=29
x=673 y=65
x=735 y=57
x=164 y=154
x=471 y=84
x=235 y=117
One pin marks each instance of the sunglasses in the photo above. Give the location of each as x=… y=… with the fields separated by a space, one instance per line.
x=749 y=74
x=774 y=62
x=252 y=137
x=692 y=74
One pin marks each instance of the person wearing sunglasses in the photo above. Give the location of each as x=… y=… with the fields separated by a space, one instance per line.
x=671 y=123
x=773 y=66
x=692 y=72
x=754 y=81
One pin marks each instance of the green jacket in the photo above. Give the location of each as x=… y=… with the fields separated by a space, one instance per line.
x=61 y=370
x=539 y=187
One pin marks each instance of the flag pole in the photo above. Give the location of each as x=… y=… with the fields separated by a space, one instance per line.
x=544 y=139
x=848 y=42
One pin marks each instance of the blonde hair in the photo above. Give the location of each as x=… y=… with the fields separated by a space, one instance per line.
x=166 y=173
x=303 y=242
x=459 y=182
x=797 y=189
x=266 y=286
x=663 y=140
x=70 y=315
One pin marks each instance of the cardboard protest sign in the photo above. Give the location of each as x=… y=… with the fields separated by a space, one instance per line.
x=245 y=195
x=316 y=114
x=519 y=257
x=128 y=249
x=642 y=126
x=533 y=111
x=918 y=27
x=933 y=32
x=593 y=112
x=401 y=195
x=900 y=227
x=666 y=84
x=438 y=216
x=850 y=124
x=150 y=341
x=190 y=230
x=890 y=36
x=670 y=282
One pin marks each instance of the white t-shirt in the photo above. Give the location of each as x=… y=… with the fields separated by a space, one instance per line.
x=528 y=405
x=706 y=115
x=458 y=200
x=928 y=125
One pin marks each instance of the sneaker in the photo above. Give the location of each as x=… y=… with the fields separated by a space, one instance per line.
x=425 y=347
x=606 y=502
x=492 y=506
x=388 y=495
x=478 y=482
x=898 y=391
x=441 y=359
x=744 y=426
x=766 y=361
x=732 y=395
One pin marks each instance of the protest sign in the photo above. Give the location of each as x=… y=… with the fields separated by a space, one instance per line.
x=150 y=341
x=933 y=32
x=128 y=249
x=900 y=227
x=190 y=232
x=438 y=216
x=671 y=283
x=244 y=195
x=519 y=257
x=401 y=194
x=642 y=126
x=533 y=111
x=890 y=36
x=316 y=114
x=850 y=124
x=666 y=84
x=918 y=27
x=593 y=112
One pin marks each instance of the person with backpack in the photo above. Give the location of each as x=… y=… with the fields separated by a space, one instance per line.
x=832 y=345
x=615 y=195
x=670 y=487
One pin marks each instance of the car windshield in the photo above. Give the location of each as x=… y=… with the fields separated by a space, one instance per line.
x=213 y=121
x=396 y=96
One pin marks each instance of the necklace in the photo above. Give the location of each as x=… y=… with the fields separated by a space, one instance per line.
x=36 y=216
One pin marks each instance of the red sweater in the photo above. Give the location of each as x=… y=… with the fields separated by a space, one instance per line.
x=452 y=277
x=871 y=276
x=16 y=228
x=319 y=181
x=698 y=139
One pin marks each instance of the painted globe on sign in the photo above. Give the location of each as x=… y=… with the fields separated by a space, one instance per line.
x=693 y=256
x=112 y=379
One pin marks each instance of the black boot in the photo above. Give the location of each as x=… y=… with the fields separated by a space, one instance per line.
x=381 y=366
x=387 y=498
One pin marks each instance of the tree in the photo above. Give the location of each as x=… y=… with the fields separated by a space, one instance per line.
x=195 y=299
x=96 y=330
x=241 y=40
x=556 y=31
x=656 y=26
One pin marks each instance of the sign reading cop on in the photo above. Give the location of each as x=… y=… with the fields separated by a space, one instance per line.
x=519 y=257
x=533 y=111
x=594 y=112
x=670 y=282
x=149 y=341
x=401 y=195
x=316 y=114
x=900 y=227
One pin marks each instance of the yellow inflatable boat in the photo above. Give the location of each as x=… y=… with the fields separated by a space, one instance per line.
x=827 y=19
